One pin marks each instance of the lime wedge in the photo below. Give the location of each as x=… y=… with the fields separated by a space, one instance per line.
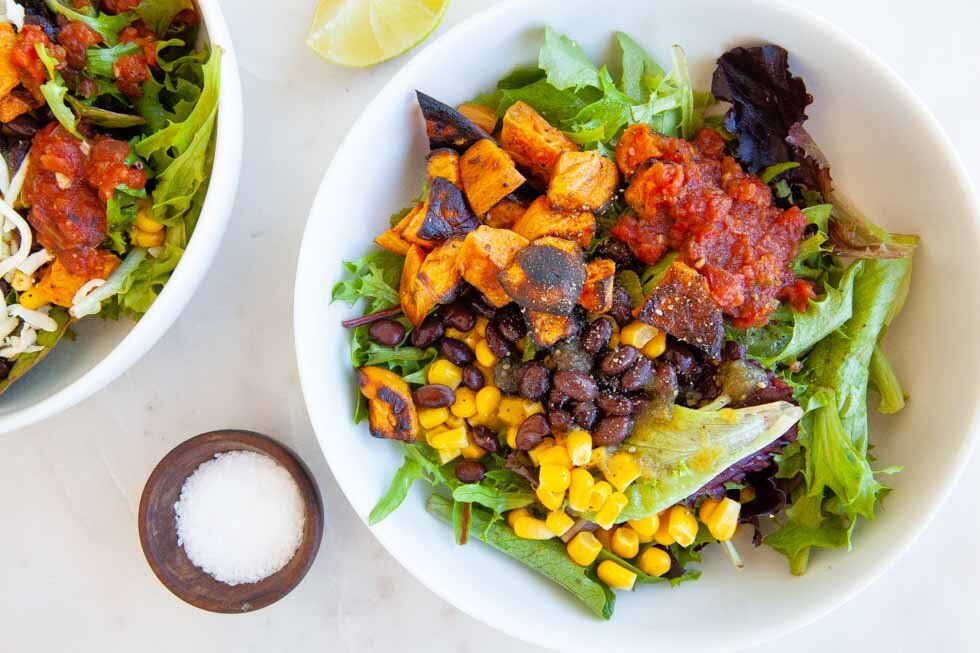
x=362 y=33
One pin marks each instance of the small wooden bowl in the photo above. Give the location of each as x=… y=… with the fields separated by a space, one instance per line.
x=158 y=525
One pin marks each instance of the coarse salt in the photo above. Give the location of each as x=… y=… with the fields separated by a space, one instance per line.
x=240 y=517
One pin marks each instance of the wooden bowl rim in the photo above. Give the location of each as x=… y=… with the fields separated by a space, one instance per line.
x=222 y=598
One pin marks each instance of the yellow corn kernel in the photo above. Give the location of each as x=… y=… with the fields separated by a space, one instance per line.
x=452 y=439
x=531 y=528
x=536 y=452
x=579 y=445
x=657 y=346
x=481 y=326
x=663 y=536
x=431 y=433
x=721 y=518
x=598 y=457
x=447 y=455
x=455 y=422
x=511 y=411
x=33 y=299
x=607 y=514
x=584 y=548
x=614 y=340
x=600 y=492
x=559 y=522
x=621 y=470
x=625 y=542
x=555 y=455
x=487 y=401
x=146 y=223
x=483 y=354
x=654 y=562
x=432 y=417
x=516 y=514
x=707 y=507
x=445 y=373
x=645 y=527
x=580 y=490
x=465 y=404
x=746 y=494
x=615 y=575
x=473 y=451
x=550 y=500
x=637 y=334
x=512 y=437
x=682 y=525
x=142 y=238
x=554 y=478
x=455 y=334
x=532 y=407
x=605 y=537
x=471 y=339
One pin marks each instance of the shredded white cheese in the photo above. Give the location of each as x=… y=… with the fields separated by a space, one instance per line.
x=34 y=261
x=16 y=259
x=13 y=13
x=4 y=176
x=14 y=346
x=37 y=319
x=8 y=325
x=17 y=182
x=83 y=292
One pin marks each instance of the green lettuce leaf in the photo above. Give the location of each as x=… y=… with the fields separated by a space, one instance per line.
x=374 y=278
x=407 y=474
x=640 y=71
x=158 y=14
x=565 y=64
x=99 y=61
x=107 y=25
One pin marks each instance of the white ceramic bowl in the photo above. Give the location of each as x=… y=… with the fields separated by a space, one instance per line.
x=888 y=154
x=105 y=349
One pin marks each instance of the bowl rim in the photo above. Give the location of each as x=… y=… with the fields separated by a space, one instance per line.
x=303 y=315
x=197 y=258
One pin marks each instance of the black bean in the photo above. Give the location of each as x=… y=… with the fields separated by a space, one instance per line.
x=638 y=376
x=532 y=432
x=616 y=362
x=622 y=307
x=556 y=399
x=473 y=378
x=613 y=404
x=618 y=251
x=640 y=404
x=585 y=414
x=732 y=351
x=684 y=359
x=612 y=431
x=576 y=385
x=486 y=439
x=5 y=367
x=456 y=352
x=510 y=322
x=597 y=335
x=470 y=471
x=428 y=333
x=433 y=396
x=386 y=332
x=496 y=342
x=534 y=382
x=507 y=375
x=560 y=421
x=458 y=316
x=482 y=306
x=608 y=383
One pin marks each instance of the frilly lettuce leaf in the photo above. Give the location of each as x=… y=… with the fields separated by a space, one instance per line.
x=566 y=65
x=107 y=25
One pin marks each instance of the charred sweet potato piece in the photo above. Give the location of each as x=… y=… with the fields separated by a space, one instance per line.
x=541 y=220
x=416 y=300
x=682 y=305
x=583 y=181
x=9 y=77
x=532 y=141
x=447 y=127
x=485 y=253
x=443 y=163
x=440 y=273
x=489 y=175
x=597 y=293
x=391 y=413
x=547 y=329
x=505 y=213
x=482 y=116
x=446 y=213
x=546 y=276
x=412 y=223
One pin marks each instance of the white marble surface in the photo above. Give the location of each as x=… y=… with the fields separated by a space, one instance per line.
x=72 y=576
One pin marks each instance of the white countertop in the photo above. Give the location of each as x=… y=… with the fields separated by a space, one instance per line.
x=73 y=577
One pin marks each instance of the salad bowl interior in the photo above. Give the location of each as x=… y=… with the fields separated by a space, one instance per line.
x=912 y=184
x=104 y=349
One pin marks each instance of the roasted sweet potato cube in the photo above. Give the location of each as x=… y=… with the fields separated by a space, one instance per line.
x=447 y=127
x=443 y=163
x=546 y=276
x=489 y=175
x=505 y=213
x=393 y=242
x=597 y=293
x=413 y=223
x=391 y=413
x=485 y=253
x=547 y=329
x=59 y=285
x=639 y=144
x=583 y=181
x=682 y=305
x=482 y=116
x=532 y=141
x=446 y=213
x=440 y=273
x=541 y=220
x=415 y=298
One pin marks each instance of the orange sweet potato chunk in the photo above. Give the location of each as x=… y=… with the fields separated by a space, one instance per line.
x=485 y=253
x=583 y=181
x=391 y=412
x=505 y=213
x=416 y=300
x=532 y=141
x=541 y=220
x=489 y=175
x=59 y=285
x=443 y=163
x=547 y=329
x=597 y=293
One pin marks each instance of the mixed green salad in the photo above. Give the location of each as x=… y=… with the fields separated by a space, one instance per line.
x=627 y=319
